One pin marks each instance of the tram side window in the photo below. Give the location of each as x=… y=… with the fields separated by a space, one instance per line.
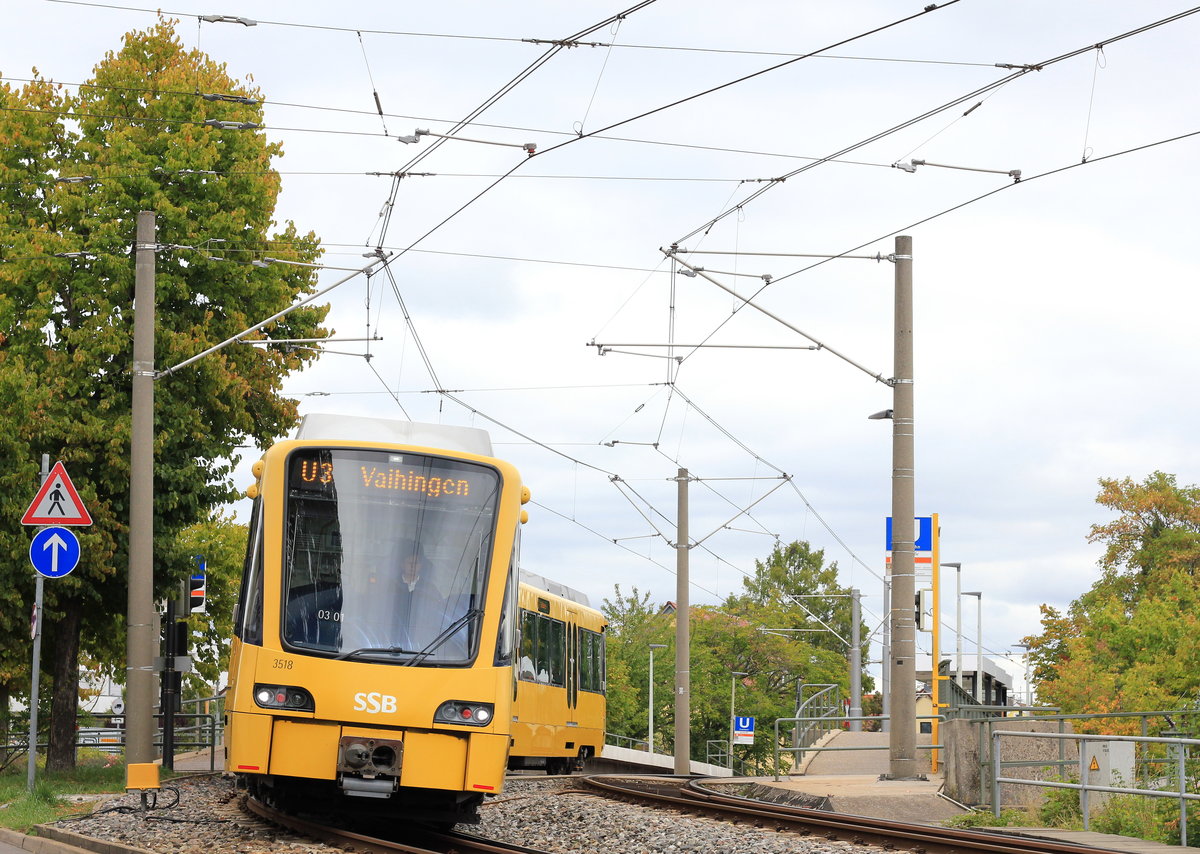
x=528 y=645
x=558 y=651
x=591 y=661
x=504 y=637
x=543 y=649
x=247 y=622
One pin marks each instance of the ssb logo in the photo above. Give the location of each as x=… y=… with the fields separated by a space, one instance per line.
x=374 y=703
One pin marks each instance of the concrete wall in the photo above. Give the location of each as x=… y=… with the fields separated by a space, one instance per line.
x=962 y=760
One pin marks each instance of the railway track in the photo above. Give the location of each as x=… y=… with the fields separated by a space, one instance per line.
x=694 y=798
x=415 y=842
x=703 y=799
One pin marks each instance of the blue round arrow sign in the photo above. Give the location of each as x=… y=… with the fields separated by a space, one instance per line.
x=54 y=552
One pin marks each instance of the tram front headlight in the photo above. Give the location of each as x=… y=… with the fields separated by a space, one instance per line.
x=464 y=713
x=287 y=698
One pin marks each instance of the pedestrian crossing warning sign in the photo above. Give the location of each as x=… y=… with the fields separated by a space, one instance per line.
x=57 y=502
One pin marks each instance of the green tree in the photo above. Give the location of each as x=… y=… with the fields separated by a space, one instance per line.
x=796 y=592
x=633 y=624
x=1131 y=642
x=725 y=643
x=749 y=633
x=221 y=541
x=75 y=169
x=795 y=581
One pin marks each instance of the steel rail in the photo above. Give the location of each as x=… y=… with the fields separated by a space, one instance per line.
x=693 y=796
x=449 y=841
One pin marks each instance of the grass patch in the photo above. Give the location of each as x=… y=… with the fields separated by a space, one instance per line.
x=21 y=809
x=984 y=818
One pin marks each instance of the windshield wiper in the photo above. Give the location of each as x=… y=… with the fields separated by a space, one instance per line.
x=376 y=650
x=446 y=634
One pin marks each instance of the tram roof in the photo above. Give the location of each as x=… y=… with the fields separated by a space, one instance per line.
x=360 y=428
x=543 y=583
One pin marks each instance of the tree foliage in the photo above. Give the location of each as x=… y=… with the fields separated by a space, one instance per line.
x=796 y=586
x=221 y=541
x=633 y=624
x=1131 y=642
x=746 y=634
x=75 y=170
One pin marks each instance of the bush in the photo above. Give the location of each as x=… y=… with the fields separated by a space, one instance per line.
x=1136 y=816
x=1155 y=819
x=1061 y=808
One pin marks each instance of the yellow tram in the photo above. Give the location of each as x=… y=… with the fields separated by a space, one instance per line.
x=371 y=668
x=558 y=717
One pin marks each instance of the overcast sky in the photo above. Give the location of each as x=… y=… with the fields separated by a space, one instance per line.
x=1054 y=317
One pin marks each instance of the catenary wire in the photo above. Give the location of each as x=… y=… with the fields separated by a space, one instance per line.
x=1007 y=186
x=697 y=410
x=949 y=105
x=520 y=40
x=758 y=73
x=495 y=97
x=1048 y=173
x=487 y=125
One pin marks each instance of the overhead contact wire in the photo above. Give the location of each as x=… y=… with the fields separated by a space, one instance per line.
x=491 y=100
x=749 y=300
x=1021 y=72
x=412 y=328
x=755 y=74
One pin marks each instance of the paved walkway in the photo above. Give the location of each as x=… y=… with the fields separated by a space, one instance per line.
x=850 y=776
x=201 y=760
x=12 y=842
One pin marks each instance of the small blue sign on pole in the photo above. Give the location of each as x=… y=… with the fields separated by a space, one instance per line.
x=923 y=530
x=54 y=552
x=743 y=730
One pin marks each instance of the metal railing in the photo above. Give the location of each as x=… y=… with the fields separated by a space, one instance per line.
x=1181 y=745
x=813 y=748
x=197 y=736
x=205 y=731
x=823 y=708
x=626 y=741
x=987 y=725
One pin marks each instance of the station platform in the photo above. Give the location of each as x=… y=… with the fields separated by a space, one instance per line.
x=852 y=780
x=622 y=760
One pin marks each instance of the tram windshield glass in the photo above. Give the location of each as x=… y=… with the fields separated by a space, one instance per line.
x=386 y=554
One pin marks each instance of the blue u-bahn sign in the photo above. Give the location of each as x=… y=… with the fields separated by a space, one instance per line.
x=924 y=532
x=743 y=730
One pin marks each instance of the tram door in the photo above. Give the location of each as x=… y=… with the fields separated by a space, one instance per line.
x=572 y=664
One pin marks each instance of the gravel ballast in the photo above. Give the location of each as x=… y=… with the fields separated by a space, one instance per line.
x=550 y=814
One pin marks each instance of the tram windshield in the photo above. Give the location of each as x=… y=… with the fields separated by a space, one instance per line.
x=386 y=554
